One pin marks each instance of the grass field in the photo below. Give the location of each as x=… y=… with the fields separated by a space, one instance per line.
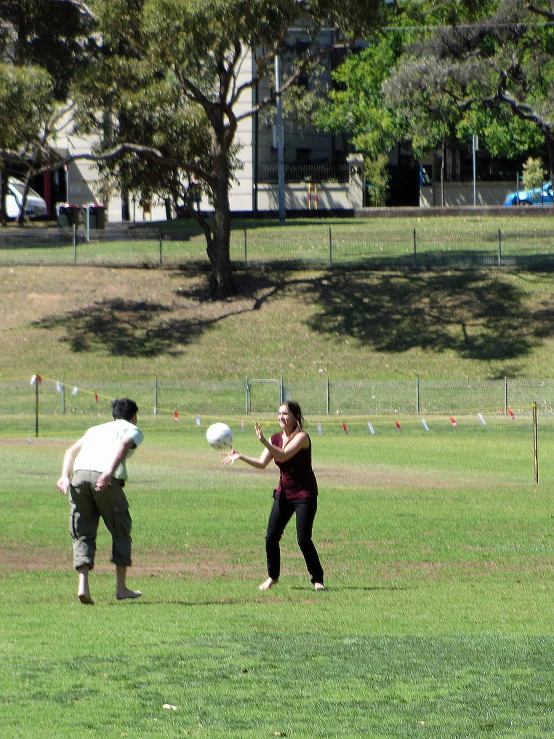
x=436 y=622
x=87 y=323
x=438 y=545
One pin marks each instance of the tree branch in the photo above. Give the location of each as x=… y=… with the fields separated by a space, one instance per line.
x=549 y=14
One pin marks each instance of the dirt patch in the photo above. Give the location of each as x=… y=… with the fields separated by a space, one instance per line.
x=390 y=476
x=197 y=563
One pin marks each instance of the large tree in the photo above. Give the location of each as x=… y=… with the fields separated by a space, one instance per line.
x=178 y=77
x=440 y=72
x=43 y=44
x=494 y=70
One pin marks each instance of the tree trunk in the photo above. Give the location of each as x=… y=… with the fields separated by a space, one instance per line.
x=218 y=247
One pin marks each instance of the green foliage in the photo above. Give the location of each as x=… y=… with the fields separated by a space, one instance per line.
x=500 y=133
x=491 y=60
x=51 y=35
x=533 y=173
x=25 y=103
x=377 y=176
x=42 y=47
x=355 y=106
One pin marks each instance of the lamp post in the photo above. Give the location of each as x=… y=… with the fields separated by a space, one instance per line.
x=280 y=142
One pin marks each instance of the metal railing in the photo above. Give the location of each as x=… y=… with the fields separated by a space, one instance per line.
x=318 y=244
x=305 y=173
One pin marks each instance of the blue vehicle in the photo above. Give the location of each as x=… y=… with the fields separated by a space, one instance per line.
x=538 y=196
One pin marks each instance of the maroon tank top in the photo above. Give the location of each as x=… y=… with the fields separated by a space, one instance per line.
x=297 y=479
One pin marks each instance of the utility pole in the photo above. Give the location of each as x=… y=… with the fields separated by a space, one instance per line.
x=280 y=141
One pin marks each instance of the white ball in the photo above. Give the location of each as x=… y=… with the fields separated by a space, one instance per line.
x=219 y=435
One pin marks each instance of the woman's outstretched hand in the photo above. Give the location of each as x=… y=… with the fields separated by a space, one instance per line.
x=259 y=432
x=230 y=457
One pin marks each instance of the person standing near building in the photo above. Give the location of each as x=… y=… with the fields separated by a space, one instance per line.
x=296 y=493
x=94 y=473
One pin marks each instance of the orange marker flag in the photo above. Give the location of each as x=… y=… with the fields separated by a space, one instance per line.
x=175 y=415
x=512 y=414
x=344 y=428
x=453 y=421
x=397 y=424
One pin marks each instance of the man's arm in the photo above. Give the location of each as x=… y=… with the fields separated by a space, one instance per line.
x=122 y=451
x=67 y=466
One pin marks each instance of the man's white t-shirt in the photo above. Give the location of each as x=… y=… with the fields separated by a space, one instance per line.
x=100 y=444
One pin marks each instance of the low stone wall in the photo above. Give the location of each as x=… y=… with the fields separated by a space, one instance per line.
x=303 y=196
x=456 y=210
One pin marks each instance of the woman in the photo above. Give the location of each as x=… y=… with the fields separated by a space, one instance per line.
x=296 y=492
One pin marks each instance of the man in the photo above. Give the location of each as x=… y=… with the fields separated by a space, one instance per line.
x=96 y=489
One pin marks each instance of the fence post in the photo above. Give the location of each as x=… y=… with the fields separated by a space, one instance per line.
x=415 y=248
x=505 y=396
x=63 y=395
x=535 y=443
x=328 y=396
x=37 y=383
x=156 y=395
x=247 y=397
x=417 y=395
x=245 y=247
x=499 y=247
x=74 y=244
x=330 y=247
x=281 y=391
x=161 y=247
x=87 y=223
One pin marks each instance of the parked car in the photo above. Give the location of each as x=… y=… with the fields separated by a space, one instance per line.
x=538 y=196
x=36 y=206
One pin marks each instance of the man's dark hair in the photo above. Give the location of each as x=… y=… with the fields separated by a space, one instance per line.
x=124 y=408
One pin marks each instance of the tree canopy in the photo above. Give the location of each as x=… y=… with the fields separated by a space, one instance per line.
x=177 y=77
x=440 y=72
x=43 y=46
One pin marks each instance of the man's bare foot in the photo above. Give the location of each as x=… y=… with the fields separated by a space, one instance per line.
x=127 y=593
x=86 y=599
x=319 y=586
x=269 y=583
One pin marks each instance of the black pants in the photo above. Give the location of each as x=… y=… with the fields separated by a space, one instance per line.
x=280 y=515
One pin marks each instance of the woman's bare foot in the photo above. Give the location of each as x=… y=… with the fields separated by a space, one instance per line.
x=319 y=586
x=269 y=583
x=127 y=593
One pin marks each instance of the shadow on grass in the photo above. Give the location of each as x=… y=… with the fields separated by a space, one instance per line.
x=129 y=328
x=475 y=313
x=470 y=312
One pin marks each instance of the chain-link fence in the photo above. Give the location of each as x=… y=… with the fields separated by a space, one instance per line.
x=337 y=244
x=260 y=396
